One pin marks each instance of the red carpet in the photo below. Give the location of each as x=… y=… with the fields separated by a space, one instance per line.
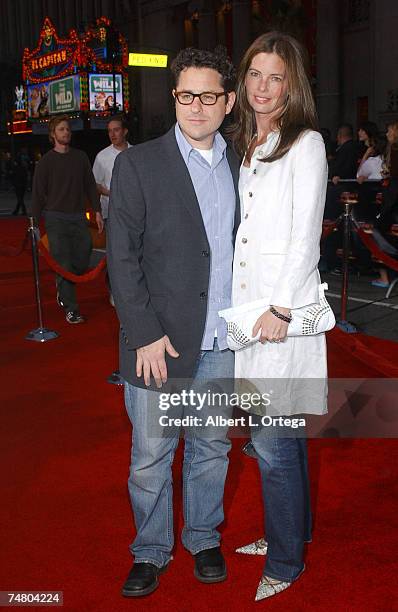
x=65 y=516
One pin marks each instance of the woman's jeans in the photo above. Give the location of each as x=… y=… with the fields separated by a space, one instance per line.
x=204 y=470
x=285 y=485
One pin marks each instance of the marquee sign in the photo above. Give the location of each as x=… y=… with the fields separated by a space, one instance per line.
x=53 y=57
x=74 y=75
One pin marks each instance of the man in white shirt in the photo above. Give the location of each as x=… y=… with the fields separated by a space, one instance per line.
x=103 y=164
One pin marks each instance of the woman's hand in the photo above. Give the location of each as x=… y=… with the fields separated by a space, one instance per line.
x=368 y=153
x=272 y=328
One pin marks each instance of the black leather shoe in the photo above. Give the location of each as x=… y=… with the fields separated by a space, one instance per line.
x=210 y=565
x=142 y=580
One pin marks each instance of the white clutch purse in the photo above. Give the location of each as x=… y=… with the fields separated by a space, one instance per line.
x=306 y=321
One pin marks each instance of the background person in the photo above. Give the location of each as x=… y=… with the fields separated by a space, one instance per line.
x=62 y=183
x=20 y=182
x=102 y=169
x=370 y=166
x=103 y=165
x=389 y=208
x=282 y=189
x=344 y=165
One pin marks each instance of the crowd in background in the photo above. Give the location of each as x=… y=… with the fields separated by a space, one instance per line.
x=365 y=162
x=367 y=166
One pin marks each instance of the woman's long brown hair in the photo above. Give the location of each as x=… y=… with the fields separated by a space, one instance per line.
x=297 y=114
x=386 y=167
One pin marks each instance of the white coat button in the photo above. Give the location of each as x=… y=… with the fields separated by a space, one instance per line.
x=246 y=215
x=242 y=264
x=243 y=286
x=244 y=240
x=250 y=194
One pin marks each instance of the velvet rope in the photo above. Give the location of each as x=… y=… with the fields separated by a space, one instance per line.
x=10 y=251
x=374 y=248
x=327 y=228
x=74 y=278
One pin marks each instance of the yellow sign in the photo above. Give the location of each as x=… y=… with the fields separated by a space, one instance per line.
x=148 y=60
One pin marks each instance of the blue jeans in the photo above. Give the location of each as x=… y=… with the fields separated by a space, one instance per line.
x=283 y=466
x=204 y=469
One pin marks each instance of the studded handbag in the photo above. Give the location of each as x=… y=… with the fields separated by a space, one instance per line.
x=308 y=320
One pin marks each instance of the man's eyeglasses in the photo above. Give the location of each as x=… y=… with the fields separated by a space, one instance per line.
x=208 y=98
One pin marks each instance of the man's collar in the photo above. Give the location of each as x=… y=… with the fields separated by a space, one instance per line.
x=219 y=144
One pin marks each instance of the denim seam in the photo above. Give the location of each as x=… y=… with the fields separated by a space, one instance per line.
x=169 y=518
x=186 y=488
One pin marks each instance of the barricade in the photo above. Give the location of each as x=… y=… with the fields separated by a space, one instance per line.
x=74 y=278
x=350 y=224
x=41 y=333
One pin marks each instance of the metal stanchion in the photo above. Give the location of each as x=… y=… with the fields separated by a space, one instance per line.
x=347 y=199
x=41 y=334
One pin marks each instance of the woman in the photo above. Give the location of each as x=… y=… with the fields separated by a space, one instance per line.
x=282 y=189
x=389 y=209
x=370 y=166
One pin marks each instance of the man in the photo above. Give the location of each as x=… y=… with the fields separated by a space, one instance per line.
x=172 y=218
x=102 y=169
x=343 y=166
x=103 y=164
x=63 y=181
x=345 y=162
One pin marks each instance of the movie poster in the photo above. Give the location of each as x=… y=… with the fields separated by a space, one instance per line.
x=65 y=95
x=38 y=106
x=101 y=92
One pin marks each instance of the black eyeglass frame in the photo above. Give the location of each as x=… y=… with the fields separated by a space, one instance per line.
x=195 y=95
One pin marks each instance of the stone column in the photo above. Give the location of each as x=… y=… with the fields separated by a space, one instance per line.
x=328 y=64
x=241 y=15
x=207 y=26
x=384 y=78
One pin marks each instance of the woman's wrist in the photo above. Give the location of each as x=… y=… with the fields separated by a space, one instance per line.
x=281 y=313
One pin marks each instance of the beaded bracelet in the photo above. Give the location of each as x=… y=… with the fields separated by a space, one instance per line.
x=279 y=315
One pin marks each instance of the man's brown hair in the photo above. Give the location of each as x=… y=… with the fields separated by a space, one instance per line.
x=120 y=118
x=54 y=121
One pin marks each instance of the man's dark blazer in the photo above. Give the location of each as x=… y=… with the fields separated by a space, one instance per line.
x=158 y=253
x=345 y=162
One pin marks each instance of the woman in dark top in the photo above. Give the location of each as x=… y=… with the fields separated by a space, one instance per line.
x=389 y=208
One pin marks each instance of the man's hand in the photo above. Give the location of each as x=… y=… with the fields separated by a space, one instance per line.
x=100 y=222
x=335 y=180
x=272 y=328
x=102 y=190
x=150 y=359
x=361 y=179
